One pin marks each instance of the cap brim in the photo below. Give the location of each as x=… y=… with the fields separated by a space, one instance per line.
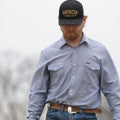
x=64 y=21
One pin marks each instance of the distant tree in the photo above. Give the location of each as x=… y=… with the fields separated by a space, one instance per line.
x=15 y=75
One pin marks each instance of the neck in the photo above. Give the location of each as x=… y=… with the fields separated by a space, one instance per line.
x=74 y=42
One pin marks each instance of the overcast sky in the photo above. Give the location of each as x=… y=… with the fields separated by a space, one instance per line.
x=28 y=26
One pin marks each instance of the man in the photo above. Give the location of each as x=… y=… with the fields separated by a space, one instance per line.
x=72 y=72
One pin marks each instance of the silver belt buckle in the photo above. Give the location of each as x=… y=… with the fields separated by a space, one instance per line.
x=70 y=110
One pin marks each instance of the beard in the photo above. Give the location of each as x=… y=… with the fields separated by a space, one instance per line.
x=71 y=35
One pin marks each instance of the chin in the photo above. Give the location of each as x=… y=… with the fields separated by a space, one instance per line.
x=71 y=37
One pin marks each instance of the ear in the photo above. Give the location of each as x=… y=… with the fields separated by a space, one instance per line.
x=84 y=20
x=85 y=17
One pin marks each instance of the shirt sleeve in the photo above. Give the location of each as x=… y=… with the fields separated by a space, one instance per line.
x=110 y=84
x=38 y=89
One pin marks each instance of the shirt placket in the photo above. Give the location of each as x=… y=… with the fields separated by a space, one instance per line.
x=73 y=75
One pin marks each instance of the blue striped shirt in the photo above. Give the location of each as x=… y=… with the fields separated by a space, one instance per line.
x=74 y=76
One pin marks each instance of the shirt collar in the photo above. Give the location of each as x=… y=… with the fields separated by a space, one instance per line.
x=84 y=39
x=62 y=41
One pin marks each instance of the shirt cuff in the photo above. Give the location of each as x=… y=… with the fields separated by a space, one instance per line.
x=32 y=119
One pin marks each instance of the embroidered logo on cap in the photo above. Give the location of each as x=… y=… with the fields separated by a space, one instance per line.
x=70 y=13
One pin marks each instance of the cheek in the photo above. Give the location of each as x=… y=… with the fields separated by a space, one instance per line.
x=80 y=29
x=63 y=30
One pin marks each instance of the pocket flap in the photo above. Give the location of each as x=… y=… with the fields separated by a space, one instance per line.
x=92 y=65
x=55 y=67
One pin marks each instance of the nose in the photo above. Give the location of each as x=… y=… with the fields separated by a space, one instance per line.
x=70 y=27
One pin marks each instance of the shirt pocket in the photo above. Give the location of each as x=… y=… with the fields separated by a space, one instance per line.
x=56 y=70
x=92 y=72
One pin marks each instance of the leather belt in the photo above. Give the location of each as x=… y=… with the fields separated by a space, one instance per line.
x=73 y=109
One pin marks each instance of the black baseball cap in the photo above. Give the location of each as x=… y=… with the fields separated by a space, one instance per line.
x=71 y=13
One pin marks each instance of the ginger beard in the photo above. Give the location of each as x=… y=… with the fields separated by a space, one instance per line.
x=71 y=34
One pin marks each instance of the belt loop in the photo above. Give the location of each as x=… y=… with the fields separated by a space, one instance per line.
x=62 y=108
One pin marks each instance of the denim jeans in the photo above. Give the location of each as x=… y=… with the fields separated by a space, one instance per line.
x=54 y=114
